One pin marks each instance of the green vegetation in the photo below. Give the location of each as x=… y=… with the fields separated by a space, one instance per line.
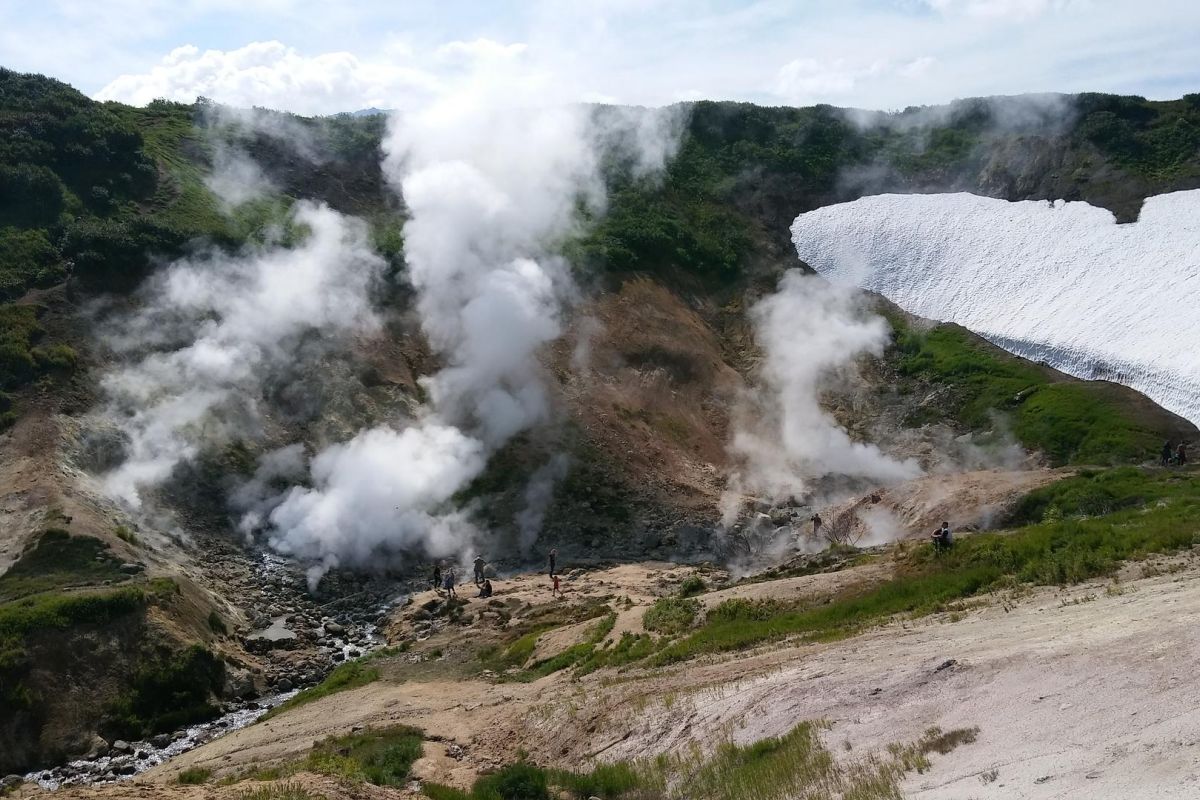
x=671 y=615
x=692 y=586
x=350 y=675
x=795 y=766
x=1071 y=422
x=1154 y=512
x=382 y=757
x=1159 y=140
x=168 y=690
x=216 y=624
x=193 y=776
x=58 y=560
x=283 y=791
x=23 y=618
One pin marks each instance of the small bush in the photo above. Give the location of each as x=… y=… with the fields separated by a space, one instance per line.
x=692 y=586
x=671 y=615
x=193 y=776
x=514 y=782
x=216 y=624
x=382 y=757
x=125 y=535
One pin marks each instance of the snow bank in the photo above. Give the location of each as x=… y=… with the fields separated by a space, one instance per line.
x=1056 y=282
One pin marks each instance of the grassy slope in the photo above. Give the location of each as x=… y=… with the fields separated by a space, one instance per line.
x=1070 y=421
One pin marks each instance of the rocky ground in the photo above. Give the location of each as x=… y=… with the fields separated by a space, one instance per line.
x=1080 y=692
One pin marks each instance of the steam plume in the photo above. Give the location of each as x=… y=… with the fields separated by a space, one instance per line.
x=808 y=330
x=213 y=329
x=493 y=173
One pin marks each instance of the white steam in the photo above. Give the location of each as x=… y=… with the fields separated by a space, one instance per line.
x=493 y=174
x=784 y=441
x=211 y=331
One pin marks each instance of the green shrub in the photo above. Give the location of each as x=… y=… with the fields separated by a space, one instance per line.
x=383 y=757
x=168 y=691
x=57 y=560
x=692 y=586
x=514 y=782
x=216 y=624
x=193 y=776
x=671 y=615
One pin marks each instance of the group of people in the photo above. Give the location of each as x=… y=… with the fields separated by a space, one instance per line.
x=446 y=581
x=1176 y=456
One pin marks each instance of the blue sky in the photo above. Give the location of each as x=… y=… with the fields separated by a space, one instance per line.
x=321 y=57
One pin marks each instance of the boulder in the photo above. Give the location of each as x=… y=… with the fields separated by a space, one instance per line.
x=161 y=740
x=130 y=568
x=122 y=747
x=334 y=628
x=97 y=747
x=284 y=685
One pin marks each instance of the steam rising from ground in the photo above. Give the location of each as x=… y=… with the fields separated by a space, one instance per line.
x=213 y=329
x=809 y=331
x=493 y=179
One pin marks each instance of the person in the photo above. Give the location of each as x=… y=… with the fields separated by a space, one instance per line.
x=479 y=565
x=485 y=588
x=437 y=577
x=448 y=583
x=1166 y=453
x=816 y=521
x=556 y=590
x=1181 y=454
x=553 y=561
x=942 y=538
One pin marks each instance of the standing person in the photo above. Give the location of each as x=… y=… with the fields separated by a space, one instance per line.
x=1166 y=453
x=437 y=577
x=817 y=522
x=555 y=589
x=448 y=583
x=942 y=538
x=1181 y=454
x=479 y=565
x=553 y=561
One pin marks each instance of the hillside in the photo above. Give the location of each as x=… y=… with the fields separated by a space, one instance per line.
x=193 y=613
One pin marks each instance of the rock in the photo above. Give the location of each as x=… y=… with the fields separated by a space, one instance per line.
x=177 y=735
x=161 y=740
x=947 y=664
x=338 y=655
x=238 y=683
x=122 y=746
x=334 y=628
x=354 y=653
x=97 y=747
x=130 y=568
x=11 y=781
x=141 y=755
x=284 y=685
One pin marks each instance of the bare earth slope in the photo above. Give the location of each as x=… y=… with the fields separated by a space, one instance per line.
x=1084 y=693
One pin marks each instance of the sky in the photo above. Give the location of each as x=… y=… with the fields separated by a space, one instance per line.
x=320 y=57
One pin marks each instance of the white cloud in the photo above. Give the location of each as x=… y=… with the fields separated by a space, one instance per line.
x=807 y=80
x=998 y=9
x=273 y=75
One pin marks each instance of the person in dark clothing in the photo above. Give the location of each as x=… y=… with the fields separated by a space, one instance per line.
x=437 y=577
x=553 y=562
x=485 y=588
x=942 y=538
x=479 y=565
x=448 y=584
x=817 y=522
x=1166 y=453
x=1181 y=454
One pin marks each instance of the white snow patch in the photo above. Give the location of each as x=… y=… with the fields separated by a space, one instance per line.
x=1056 y=282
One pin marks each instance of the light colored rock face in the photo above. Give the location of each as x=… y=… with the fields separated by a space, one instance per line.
x=1060 y=283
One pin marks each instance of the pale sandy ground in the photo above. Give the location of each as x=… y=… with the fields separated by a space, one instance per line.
x=1092 y=699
